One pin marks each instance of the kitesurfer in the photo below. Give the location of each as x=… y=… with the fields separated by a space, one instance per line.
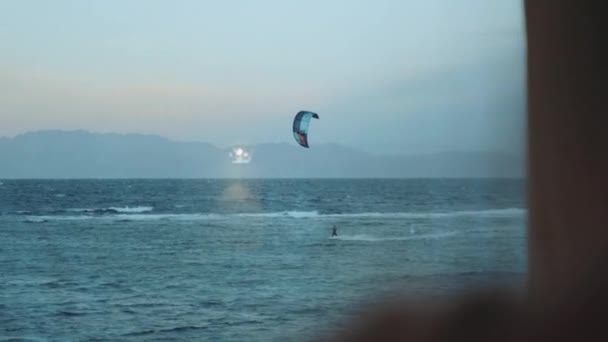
x=334 y=231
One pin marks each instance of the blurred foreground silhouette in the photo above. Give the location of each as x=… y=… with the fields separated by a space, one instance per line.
x=566 y=298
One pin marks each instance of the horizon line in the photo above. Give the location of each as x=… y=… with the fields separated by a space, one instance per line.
x=219 y=146
x=522 y=178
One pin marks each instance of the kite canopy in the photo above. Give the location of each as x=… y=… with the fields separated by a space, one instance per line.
x=300 y=127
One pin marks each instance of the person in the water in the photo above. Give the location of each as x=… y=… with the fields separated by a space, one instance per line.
x=334 y=231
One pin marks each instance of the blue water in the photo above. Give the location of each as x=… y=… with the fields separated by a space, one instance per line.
x=241 y=260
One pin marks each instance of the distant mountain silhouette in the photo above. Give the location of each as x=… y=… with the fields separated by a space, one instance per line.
x=80 y=154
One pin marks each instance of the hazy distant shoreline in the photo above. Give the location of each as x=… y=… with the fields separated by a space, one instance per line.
x=84 y=155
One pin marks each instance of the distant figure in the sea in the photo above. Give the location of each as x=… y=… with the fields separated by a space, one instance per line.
x=334 y=231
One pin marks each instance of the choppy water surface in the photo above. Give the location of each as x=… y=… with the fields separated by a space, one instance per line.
x=241 y=260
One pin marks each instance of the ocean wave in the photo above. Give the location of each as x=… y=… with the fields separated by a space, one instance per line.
x=508 y=212
x=47 y=218
x=173 y=217
x=67 y=313
x=141 y=209
x=139 y=214
x=124 y=217
x=370 y=238
x=283 y=214
x=113 y=210
x=165 y=330
x=36 y=219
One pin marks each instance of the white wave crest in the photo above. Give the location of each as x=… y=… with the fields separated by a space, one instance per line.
x=141 y=214
x=369 y=238
x=133 y=210
x=282 y=214
x=45 y=218
x=37 y=219
x=125 y=217
x=126 y=210
x=509 y=212
x=170 y=217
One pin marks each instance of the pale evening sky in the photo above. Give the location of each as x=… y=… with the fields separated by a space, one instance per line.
x=385 y=76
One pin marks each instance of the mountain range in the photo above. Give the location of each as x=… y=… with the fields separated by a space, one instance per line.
x=81 y=154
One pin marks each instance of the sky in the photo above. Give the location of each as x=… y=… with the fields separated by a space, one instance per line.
x=384 y=76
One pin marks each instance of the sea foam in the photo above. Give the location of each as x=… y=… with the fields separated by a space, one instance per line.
x=371 y=238
x=141 y=214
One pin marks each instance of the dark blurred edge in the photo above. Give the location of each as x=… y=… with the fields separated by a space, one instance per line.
x=566 y=297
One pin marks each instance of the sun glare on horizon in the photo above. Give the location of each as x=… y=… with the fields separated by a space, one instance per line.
x=240 y=156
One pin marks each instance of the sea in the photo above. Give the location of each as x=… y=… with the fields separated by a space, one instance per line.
x=243 y=260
